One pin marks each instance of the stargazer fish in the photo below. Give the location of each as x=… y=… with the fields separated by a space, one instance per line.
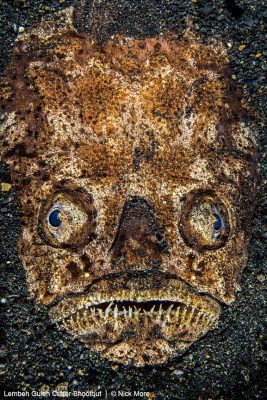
x=135 y=165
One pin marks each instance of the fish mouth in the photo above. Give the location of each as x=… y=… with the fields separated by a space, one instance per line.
x=137 y=310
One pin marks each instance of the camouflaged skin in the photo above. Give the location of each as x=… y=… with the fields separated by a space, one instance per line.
x=135 y=165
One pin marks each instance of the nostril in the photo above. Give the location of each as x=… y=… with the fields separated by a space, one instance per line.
x=163 y=246
x=87 y=263
x=74 y=269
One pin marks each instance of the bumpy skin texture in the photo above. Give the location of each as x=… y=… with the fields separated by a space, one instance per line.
x=143 y=151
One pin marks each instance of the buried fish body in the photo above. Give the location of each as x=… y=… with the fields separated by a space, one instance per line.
x=135 y=164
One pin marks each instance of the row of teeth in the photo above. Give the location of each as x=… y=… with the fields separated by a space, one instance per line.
x=178 y=296
x=173 y=314
x=73 y=309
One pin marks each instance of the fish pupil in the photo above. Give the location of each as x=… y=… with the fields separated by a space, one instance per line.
x=218 y=222
x=54 y=218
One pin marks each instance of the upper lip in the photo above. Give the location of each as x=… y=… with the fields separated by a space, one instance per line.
x=104 y=293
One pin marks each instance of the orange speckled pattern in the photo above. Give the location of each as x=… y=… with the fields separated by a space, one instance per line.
x=135 y=164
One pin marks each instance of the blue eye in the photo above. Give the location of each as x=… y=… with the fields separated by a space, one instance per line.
x=54 y=219
x=218 y=224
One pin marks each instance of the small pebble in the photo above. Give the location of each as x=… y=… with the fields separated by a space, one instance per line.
x=62 y=387
x=21 y=29
x=178 y=372
x=261 y=278
x=3 y=351
x=241 y=47
x=5 y=186
x=80 y=372
x=45 y=388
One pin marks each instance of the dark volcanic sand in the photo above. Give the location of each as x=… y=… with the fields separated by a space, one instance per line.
x=228 y=363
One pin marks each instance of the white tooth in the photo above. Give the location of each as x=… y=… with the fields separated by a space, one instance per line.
x=107 y=312
x=93 y=311
x=145 y=319
x=177 y=314
x=152 y=310
x=183 y=313
x=108 y=309
x=196 y=321
x=125 y=313
x=191 y=315
x=93 y=315
x=87 y=324
x=101 y=313
x=169 y=313
x=115 y=312
x=160 y=312
x=136 y=312
x=130 y=312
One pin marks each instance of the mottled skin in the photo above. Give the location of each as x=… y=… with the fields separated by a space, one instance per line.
x=139 y=144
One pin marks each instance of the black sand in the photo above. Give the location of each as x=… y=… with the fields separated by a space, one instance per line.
x=228 y=363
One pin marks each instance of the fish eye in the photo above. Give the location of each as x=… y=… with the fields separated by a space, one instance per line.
x=54 y=218
x=67 y=218
x=204 y=221
x=218 y=224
